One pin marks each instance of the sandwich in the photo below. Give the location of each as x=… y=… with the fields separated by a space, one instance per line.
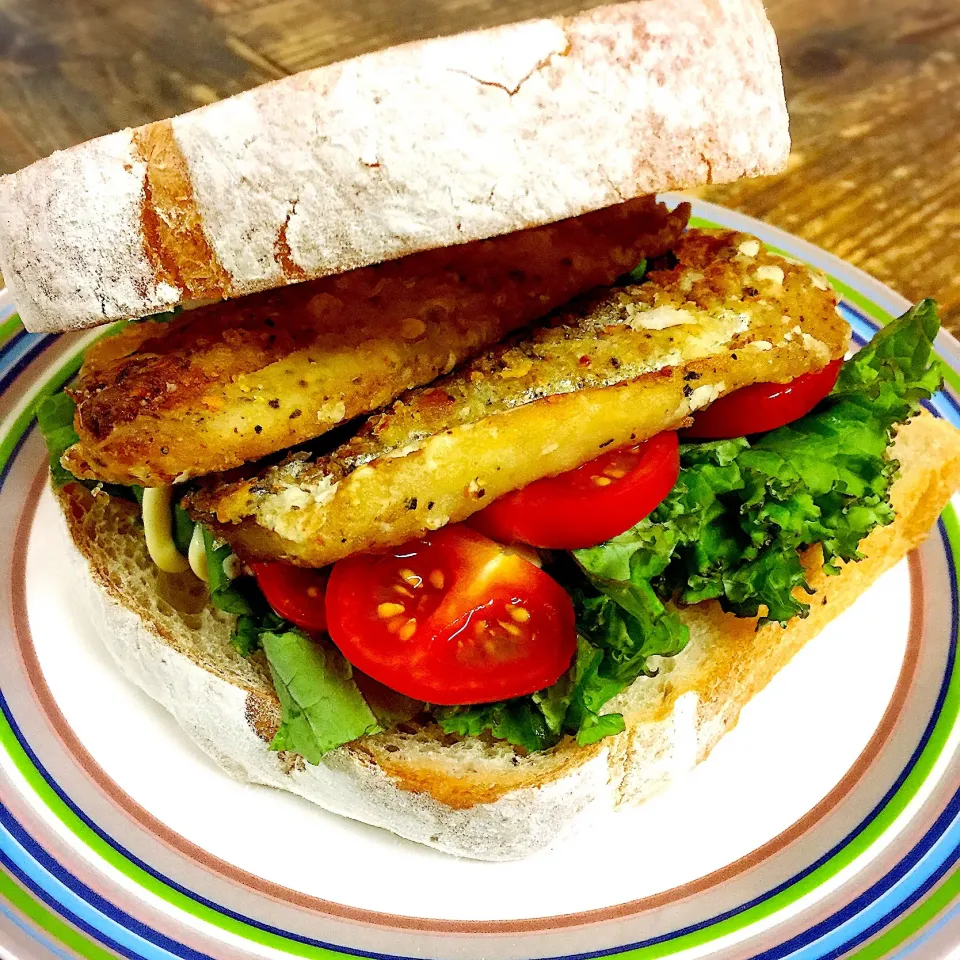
x=432 y=468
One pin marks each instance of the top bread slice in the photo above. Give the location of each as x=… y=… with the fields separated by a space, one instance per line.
x=473 y=796
x=410 y=148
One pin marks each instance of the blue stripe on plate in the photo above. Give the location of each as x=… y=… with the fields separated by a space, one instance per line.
x=85 y=908
x=926 y=936
x=920 y=871
x=34 y=933
x=18 y=352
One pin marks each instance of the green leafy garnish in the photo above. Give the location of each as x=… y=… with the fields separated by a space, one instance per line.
x=240 y=596
x=615 y=648
x=182 y=528
x=55 y=419
x=733 y=526
x=520 y=721
x=250 y=627
x=635 y=275
x=322 y=708
x=246 y=635
x=732 y=529
x=231 y=596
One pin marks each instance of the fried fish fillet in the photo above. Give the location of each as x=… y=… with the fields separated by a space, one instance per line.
x=226 y=384
x=618 y=367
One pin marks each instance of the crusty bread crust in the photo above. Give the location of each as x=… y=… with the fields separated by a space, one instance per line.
x=411 y=148
x=471 y=797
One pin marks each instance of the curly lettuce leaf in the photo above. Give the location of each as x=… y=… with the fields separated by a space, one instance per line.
x=322 y=707
x=519 y=721
x=733 y=526
x=621 y=628
x=898 y=368
x=55 y=419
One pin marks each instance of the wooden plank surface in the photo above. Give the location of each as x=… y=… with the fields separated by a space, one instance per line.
x=873 y=88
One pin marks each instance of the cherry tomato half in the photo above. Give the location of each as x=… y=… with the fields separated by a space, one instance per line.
x=296 y=593
x=587 y=505
x=763 y=406
x=451 y=619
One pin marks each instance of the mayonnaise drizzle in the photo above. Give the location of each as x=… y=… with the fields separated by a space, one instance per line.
x=197 y=554
x=158 y=530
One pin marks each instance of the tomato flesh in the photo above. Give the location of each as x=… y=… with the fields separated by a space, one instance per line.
x=451 y=618
x=587 y=505
x=763 y=406
x=295 y=593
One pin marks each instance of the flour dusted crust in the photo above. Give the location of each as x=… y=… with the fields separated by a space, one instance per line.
x=470 y=797
x=71 y=245
x=414 y=147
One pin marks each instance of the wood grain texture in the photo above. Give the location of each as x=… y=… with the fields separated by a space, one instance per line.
x=873 y=88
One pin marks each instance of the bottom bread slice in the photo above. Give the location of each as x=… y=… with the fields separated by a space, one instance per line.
x=472 y=797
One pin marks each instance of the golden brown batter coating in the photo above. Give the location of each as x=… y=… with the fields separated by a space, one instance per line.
x=619 y=366
x=225 y=384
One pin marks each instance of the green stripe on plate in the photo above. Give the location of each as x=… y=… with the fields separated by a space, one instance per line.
x=922 y=914
x=49 y=922
x=29 y=413
x=883 y=820
x=138 y=875
x=8 y=328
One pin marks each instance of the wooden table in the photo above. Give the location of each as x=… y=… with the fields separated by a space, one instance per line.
x=873 y=86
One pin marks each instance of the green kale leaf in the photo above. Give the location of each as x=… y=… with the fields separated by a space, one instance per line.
x=55 y=419
x=519 y=721
x=733 y=526
x=741 y=512
x=231 y=596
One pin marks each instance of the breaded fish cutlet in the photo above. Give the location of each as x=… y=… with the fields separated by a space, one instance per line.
x=617 y=367
x=225 y=384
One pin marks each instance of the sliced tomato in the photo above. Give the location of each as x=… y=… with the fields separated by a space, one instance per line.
x=452 y=618
x=763 y=406
x=296 y=593
x=588 y=505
